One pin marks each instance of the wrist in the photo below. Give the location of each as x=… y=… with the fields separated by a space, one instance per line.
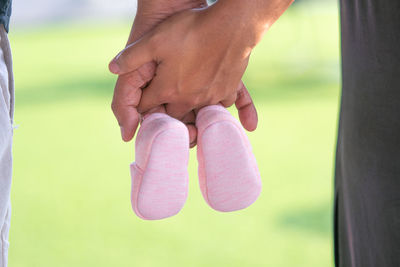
x=148 y=8
x=151 y=12
x=252 y=17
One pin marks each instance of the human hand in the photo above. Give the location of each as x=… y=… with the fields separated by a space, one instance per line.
x=128 y=88
x=200 y=61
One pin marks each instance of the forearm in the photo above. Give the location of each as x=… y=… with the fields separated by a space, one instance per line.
x=253 y=17
x=151 y=12
x=168 y=7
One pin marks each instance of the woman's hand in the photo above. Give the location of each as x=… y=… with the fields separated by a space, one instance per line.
x=128 y=91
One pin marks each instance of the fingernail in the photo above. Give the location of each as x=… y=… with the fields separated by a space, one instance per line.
x=114 y=68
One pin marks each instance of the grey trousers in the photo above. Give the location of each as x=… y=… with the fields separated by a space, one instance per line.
x=367 y=182
x=6 y=131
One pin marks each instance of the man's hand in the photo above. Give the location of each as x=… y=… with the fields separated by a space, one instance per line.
x=136 y=76
x=200 y=60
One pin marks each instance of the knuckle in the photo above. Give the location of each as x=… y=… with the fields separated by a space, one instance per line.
x=146 y=72
x=135 y=79
x=194 y=102
x=214 y=100
x=166 y=95
x=227 y=103
x=231 y=96
x=154 y=41
x=230 y=102
x=114 y=106
x=240 y=92
x=191 y=102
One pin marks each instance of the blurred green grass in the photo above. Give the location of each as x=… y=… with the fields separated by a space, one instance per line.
x=71 y=186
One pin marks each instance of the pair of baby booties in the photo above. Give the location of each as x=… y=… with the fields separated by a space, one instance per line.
x=228 y=174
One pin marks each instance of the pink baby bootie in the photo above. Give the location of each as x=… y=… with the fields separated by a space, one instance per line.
x=159 y=173
x=228 y=174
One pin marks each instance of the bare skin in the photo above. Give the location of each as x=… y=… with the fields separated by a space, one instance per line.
x=129 y=86
x=193 y=58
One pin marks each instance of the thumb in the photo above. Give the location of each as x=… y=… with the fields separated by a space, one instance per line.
x=246 y=109
x=132 y=57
